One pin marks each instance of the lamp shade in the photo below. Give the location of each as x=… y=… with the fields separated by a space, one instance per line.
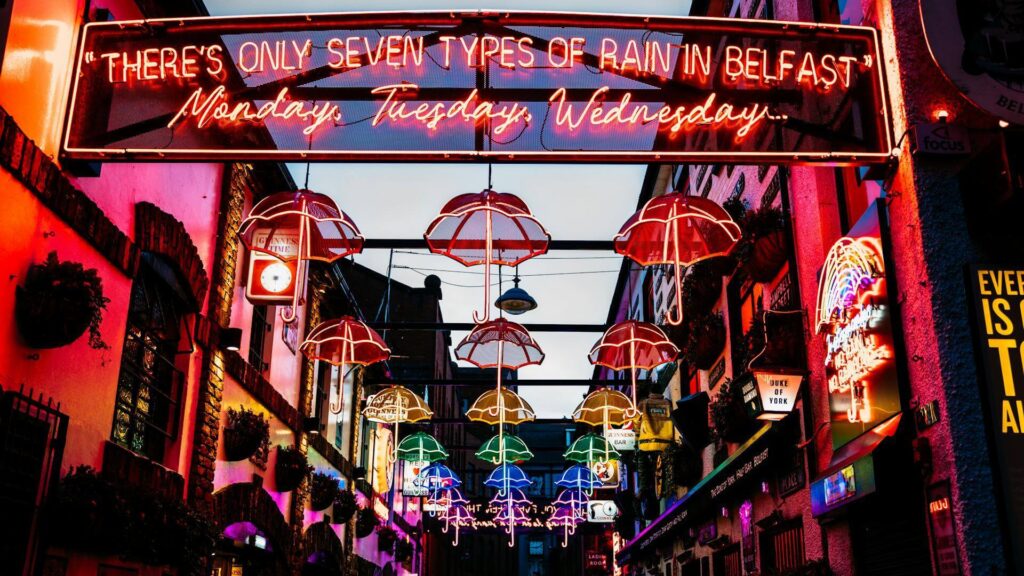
x=515 y=301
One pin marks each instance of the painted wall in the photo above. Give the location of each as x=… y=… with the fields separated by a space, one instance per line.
x=32 y=89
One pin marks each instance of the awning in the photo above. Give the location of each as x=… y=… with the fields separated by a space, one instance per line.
x=749 y=458
x=850 y=474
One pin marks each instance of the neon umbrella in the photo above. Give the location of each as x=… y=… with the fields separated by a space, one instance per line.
x=505 y=407
x=567 y=518
x=632 y=344
x=512 y=449
x=507 y=476
x=605 y=407
x=679 y=230
x=394 y=405
x=487 y=228
x=459 y=517
x=421 y=447
x=447 y=496
x=579 y=478
x=302 y=226
x=572 y=498
x=343 y=341
x=500 y=344
x=515 y=496
x=590 y=448
x=437 y=476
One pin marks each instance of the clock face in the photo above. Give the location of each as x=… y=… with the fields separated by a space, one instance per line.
x=276 y=277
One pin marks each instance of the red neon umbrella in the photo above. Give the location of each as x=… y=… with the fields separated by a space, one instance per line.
x=487 y=228
x=632 y=344
x=499 y=344
x=343 y=341
x=302 y=226
x=679 y=230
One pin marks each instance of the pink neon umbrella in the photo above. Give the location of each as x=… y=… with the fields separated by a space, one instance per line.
x=344 y=341
x=632 y=344
x=679 y=230
x=302 y=226
x=487 y=228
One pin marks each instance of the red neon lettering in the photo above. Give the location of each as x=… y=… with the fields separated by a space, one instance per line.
x=708 y=113
x=469 y=109
x=207 y=108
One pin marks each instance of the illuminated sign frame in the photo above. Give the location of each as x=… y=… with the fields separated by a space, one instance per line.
x=858 y=320
x=735 y=77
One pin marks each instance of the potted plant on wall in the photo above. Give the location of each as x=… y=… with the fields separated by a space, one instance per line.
x=701 y=288
x=705 y=340
x=323 y=489
x=290 y=468
x=728 y=414
x=403 y=551
x=767 y=245
x=366 y=522
x=344 y=507
x=386 y=538
x=246 y=435
x=58 y=302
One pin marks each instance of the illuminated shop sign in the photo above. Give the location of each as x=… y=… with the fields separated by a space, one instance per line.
x=997 y=294
x=771 y=395
x=458 y=86
x=854 y=314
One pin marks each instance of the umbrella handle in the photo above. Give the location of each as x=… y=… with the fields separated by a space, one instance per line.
x=675 y=314
x=300 y=279
x=486 y=315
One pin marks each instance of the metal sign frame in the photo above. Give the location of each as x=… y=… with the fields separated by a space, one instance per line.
x=842 y=148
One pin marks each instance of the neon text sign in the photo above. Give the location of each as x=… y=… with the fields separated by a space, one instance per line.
x=468 y=86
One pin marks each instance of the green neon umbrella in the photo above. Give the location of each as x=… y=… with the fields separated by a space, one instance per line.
x=421 y=447
x=513 y=449
x=591 y=448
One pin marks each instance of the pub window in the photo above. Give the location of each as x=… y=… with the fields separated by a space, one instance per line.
x=260 y=337
x=727 y=561
x=150 y=383
x=782 y=547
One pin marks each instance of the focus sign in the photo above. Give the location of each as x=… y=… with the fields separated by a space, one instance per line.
x=601 y=511
x=493 y=86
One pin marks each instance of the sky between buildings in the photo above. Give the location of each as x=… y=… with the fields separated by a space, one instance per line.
x=574 y=202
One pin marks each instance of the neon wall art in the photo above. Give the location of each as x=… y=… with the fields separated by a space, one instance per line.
x=459 y=86
x=854 y=316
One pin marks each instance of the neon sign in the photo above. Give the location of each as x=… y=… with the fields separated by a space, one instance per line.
x=453 y=86
x=853 y=314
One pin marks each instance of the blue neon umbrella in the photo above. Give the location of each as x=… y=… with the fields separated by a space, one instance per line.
x=579 y=478
x=508 y=476
x=436 y=476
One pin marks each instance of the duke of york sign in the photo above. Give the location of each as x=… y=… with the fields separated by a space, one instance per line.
x=477 y=86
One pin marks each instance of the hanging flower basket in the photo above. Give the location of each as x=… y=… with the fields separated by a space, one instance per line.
x=290 y=468
x=323 y=490
x=767 y=242
x=403 y=551
x=344 y=507
x=386 y=538
x=729 y=415
x=366 y=522
x=246 y=435
x=705 y=341
x=58 y=302
x=702 y=286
